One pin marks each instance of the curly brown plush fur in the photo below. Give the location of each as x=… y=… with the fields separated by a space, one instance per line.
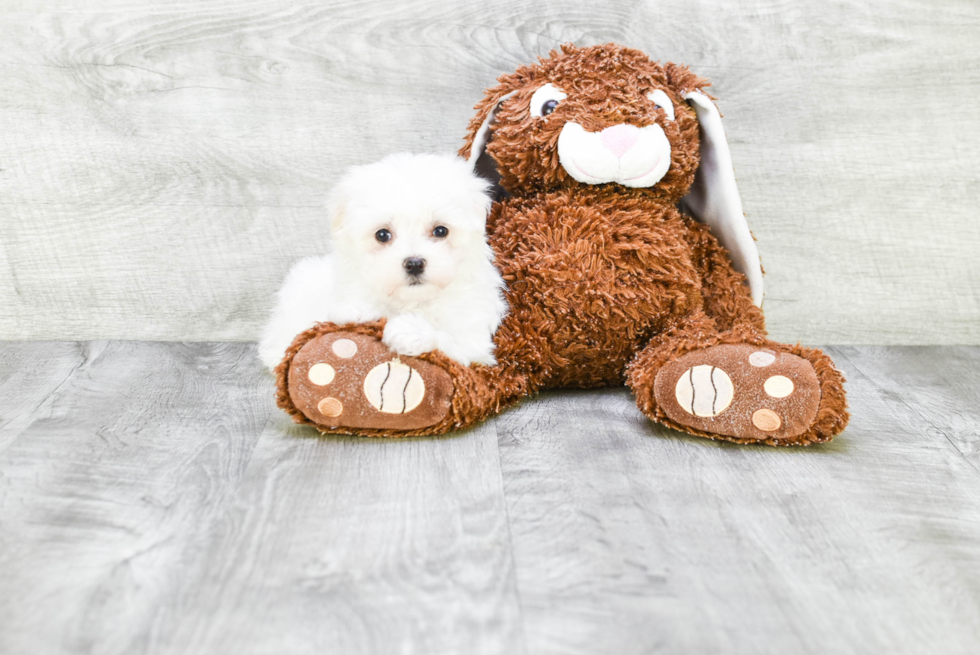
x=606 y=284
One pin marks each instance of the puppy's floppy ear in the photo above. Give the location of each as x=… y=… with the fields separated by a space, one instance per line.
x=467 y=198
x=474 y=150
x=713 y=198
x=337 y=206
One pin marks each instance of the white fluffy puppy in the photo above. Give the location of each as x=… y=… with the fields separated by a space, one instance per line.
x=409 y=245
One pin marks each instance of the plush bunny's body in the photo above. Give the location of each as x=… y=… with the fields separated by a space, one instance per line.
x=619 y=233
x=600 y=274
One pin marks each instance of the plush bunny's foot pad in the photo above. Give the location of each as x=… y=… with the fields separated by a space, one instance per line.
x=740 y=391
x=346 y=381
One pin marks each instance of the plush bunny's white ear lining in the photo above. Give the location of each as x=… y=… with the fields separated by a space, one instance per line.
x=714 y=200
x=481 y=138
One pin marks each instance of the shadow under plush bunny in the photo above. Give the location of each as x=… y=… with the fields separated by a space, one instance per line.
x=619 y=231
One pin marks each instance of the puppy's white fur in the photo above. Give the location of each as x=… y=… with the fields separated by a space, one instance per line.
x=457 y=303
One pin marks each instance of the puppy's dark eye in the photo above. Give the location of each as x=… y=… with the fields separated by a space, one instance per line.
x=440 y=231
x=549 y=107
x=383 y=235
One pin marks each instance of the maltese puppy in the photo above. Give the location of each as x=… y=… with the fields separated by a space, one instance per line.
x=409 y=245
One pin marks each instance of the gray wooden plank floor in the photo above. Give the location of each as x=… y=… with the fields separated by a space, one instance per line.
x=153 y=500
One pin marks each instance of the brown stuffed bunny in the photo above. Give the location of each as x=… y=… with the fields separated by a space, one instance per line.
x=609 y=282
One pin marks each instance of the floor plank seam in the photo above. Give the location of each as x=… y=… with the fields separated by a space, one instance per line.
x=912 y=410
x=54 y=392
x=510 y=539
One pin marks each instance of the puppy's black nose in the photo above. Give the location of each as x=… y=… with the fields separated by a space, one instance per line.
x=414 y=265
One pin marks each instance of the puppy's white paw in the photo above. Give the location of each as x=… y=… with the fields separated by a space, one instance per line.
x=410 y=334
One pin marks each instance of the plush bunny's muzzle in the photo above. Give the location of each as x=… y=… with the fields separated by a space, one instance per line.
x=633 y=156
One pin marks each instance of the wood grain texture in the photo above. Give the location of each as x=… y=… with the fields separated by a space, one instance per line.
x=155 y=501
x=109 y=487
x=152 y=500
x=31 y=375
x=350 y=545
x=630 y=538
x=161 y=166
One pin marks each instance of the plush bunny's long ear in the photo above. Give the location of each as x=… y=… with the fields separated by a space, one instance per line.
x=482 y=163
x=713 y=198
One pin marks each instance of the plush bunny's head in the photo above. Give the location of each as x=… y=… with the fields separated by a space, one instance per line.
x=609 y=115
x=589 y=116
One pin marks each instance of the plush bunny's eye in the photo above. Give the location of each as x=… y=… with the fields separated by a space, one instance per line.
x=660 y=99
x=545 y=100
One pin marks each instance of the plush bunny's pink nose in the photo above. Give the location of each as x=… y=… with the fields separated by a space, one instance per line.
x=618 y=139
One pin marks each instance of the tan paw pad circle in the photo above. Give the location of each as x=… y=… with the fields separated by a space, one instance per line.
x=330 y=407
x=762 y=358
x=344 y=348
x=704 y=391
x=321 y=374
x=766 y=420
x=394 y=388
x=778 y=386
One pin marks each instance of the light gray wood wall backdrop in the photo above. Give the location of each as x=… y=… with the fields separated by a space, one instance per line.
x=164 y=163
